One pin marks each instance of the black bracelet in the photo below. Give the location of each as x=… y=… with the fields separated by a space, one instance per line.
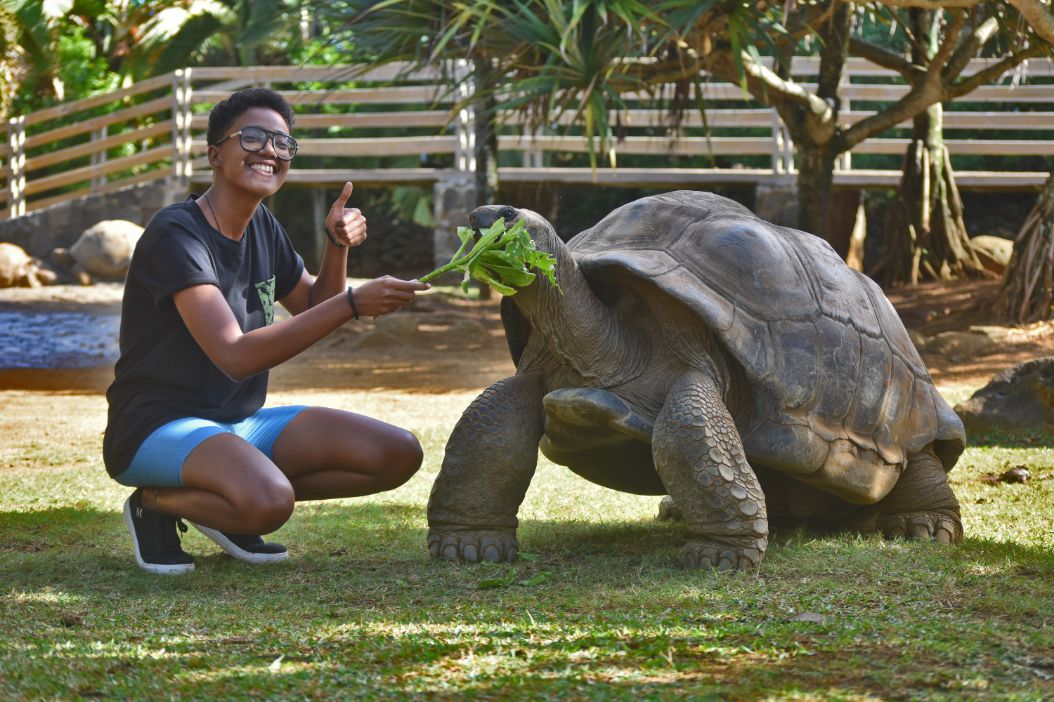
x=334 y=241
x=351 y=299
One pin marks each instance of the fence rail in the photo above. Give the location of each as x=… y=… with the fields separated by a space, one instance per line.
x=388 y=126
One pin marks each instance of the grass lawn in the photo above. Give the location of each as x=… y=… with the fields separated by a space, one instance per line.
x=597 y=608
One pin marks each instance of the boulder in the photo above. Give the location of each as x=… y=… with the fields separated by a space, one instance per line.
x=956 y=345
x=104 y=250
x=1020 y=400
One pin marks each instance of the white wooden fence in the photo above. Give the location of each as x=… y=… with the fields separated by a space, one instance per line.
x=382 y=127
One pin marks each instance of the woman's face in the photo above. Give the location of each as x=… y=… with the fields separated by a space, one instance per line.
x=261 y=173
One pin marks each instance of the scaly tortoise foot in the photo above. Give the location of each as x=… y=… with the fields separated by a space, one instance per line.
x=473 y=546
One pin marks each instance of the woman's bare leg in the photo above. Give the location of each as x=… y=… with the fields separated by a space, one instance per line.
x=328 y=453
x=228 y=485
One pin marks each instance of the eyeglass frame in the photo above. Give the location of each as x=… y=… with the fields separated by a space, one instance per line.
x=270 y=134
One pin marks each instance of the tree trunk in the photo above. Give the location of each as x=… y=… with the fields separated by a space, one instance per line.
x=1028 y=285
x=816 y=143
x=925 y=235
x=486 y=144
x=815 y=178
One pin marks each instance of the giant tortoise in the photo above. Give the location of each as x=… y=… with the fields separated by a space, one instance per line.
x=698 y=351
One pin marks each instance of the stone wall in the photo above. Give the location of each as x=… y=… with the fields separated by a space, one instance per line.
x=59 y=225
x=455 y=198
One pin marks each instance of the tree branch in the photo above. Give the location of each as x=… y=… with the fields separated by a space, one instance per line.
x=948 y=43
x=1038 y=16
x=921 y=96
x=990 y=74
x=934 y=4
x=882 y=57
x=970 y=48
x=767 y=87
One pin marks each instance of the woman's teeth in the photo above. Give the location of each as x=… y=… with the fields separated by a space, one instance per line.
x=262 y=168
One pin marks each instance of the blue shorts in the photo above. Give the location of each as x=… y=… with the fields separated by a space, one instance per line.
x=159 y=460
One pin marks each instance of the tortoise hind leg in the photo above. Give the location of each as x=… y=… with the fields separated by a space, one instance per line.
x=700 y=458
x=920 y=506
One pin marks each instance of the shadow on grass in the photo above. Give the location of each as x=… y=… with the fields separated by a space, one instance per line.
x=63 y=546
x=1027 y=439
x=362 y=612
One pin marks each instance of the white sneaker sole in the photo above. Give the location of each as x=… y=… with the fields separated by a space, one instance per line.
x=234 y=551
x=156 y=568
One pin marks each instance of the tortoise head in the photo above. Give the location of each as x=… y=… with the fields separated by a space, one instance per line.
x=541 y=231
x=575 y=324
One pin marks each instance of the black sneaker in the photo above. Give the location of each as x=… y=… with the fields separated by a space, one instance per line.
x=245 y=547
x=155 y=539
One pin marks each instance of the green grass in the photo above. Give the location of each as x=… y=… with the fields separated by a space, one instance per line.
x=597 y=609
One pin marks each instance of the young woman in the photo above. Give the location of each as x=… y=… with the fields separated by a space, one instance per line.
x=186 y=428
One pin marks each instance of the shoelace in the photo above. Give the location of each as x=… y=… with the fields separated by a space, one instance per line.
x=170 y=538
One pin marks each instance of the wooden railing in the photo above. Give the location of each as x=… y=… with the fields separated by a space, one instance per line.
x=384 y=127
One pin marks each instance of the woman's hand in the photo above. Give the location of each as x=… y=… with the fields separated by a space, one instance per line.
x=386 y=294
x=346 y=225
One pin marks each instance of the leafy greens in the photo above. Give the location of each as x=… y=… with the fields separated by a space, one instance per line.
x=501 y=258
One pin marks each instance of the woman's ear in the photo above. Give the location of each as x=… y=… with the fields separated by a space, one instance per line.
x=214 y=156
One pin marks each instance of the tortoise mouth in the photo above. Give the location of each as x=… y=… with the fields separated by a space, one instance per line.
x=483 y=217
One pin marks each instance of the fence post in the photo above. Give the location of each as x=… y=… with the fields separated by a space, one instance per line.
x=782 y=147
x=182 y=166
x=98 y=158
x=465 y=154
x=845 y=162
x=16 y=183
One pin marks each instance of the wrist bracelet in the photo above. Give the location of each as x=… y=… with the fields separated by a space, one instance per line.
x=334 y=241
x=351 y=299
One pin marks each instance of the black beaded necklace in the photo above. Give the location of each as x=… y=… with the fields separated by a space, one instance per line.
x=208 y=202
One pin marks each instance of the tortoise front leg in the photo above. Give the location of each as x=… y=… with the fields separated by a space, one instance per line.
x=490 y=460
x=700 y=458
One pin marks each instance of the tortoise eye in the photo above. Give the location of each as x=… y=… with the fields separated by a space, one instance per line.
x=508 y=213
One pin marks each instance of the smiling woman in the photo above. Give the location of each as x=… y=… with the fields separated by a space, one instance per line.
x=187 y=427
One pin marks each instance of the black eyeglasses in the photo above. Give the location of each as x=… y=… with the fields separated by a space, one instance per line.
x=254 y=139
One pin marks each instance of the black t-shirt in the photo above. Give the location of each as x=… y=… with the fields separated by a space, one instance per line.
x=162 y=373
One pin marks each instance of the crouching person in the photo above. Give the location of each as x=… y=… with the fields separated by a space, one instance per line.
x=186 y=424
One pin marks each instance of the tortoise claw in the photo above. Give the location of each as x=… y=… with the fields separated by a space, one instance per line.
x=922 y=526
x=473 y=547
x=713 y=555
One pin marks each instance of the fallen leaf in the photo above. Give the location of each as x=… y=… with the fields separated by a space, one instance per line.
x=537 y=579
x=276 y=664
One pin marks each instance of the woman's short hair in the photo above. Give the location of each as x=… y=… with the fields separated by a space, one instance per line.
x=225 y=112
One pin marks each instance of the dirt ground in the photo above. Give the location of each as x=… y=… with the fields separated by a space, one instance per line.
x=447 y=343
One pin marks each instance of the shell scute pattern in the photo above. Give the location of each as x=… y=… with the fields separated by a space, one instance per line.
x=824 y=352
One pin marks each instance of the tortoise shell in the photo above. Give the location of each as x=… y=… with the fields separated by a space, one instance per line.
x=828 y=359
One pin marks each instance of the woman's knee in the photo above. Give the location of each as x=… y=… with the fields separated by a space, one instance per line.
x=404 y=456
x=265 y=508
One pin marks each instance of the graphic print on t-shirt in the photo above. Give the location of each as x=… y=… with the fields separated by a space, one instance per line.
x=266 y=292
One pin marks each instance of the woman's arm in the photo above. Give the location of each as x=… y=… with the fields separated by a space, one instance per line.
x=241 y=355
x=345 y=227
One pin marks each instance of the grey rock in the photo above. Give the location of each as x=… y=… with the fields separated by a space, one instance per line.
x=957 y=345
x=1020 y=400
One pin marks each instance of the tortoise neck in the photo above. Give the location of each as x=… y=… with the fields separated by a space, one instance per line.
x=575 y=323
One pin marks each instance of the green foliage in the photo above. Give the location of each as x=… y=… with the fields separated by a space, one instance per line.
x=500 y=258
x=548 y=59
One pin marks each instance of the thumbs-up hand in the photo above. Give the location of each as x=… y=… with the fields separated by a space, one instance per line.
x=345 y=226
